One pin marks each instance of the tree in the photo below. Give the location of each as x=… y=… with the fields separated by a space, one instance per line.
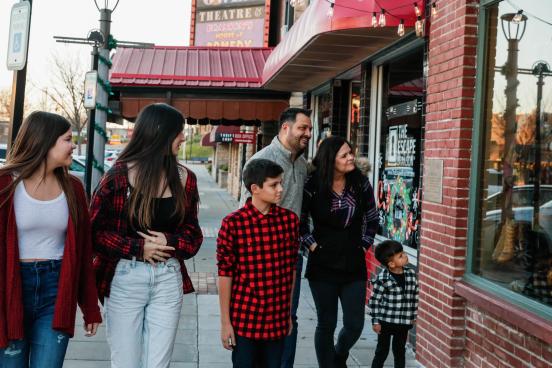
x=67 y=93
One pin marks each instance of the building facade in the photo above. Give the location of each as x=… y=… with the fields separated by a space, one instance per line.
x=452 y=115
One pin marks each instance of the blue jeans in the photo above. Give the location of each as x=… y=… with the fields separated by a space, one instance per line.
x=290 y=342
x=42 y=346
x=326 y=296
x=142 y=313
x=250 y=353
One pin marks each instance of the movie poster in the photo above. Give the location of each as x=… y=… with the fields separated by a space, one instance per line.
x=398 y=191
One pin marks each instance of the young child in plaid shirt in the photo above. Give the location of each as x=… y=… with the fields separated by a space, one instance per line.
x=257 y=250
x=394 y=302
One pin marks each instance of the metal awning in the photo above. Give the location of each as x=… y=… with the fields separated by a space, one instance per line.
x=318 y=48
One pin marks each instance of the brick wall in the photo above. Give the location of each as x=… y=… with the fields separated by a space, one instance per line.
x=491 y=342
x=452 y=332
x=440 y=339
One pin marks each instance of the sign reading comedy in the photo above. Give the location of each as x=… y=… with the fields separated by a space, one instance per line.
x=229 y=23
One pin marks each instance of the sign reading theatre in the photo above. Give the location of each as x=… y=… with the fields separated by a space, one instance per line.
x=229 y=23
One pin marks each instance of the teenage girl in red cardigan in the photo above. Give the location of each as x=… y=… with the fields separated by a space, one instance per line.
x=45 y=247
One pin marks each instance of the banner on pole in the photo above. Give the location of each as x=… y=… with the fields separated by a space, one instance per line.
x=90 y=89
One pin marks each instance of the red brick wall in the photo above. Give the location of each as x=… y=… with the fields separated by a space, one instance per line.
x=492 y=343
x=440 y=336
x=452 y=332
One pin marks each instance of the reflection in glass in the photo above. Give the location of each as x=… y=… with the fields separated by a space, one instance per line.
x=515 y=248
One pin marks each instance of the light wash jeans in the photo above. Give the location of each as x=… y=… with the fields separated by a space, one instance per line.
x=142 y=313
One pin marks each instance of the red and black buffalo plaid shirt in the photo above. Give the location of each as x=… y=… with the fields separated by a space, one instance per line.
x=112 y=235
x=259 y=252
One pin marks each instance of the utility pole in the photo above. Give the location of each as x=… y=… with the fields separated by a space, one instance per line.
x=18 y=88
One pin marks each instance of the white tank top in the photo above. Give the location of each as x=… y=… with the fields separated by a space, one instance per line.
x=41 y=225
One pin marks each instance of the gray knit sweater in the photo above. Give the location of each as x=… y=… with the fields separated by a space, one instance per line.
x=295 y=174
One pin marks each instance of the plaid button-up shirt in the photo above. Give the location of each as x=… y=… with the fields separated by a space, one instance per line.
x=111 y=232
x=391 y=303
x=259 y=252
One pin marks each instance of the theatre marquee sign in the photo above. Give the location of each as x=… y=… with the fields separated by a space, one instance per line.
x=229 y=23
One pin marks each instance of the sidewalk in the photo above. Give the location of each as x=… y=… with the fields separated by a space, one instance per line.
x=197 y=342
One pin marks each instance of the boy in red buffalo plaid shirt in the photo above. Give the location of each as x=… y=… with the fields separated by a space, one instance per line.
x=257 y=250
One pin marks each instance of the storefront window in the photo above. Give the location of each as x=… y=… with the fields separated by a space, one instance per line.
x=513 y=246
x=321 y=120
x=398 y=189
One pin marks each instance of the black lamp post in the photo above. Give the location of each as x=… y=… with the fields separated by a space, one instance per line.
x=540 y=69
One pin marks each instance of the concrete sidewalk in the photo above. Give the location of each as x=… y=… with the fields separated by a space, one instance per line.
x=197 y=342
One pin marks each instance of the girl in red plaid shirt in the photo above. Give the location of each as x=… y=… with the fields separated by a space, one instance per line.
x=257 y=249
x=144 y=224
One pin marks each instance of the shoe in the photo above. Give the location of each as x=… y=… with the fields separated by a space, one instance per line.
x=340 y=361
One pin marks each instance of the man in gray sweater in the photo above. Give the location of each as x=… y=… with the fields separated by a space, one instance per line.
x=287 y=150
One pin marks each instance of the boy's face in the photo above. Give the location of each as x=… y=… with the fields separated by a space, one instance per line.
x=271 y=191
x=398 y=260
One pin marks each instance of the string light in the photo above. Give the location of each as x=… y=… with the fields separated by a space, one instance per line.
x=374 y=20
x=419 y=26
x=417 y=10
x=433 y=9
x=331 y=10
x=400 y=30
x=382 y=21
x=518 y=17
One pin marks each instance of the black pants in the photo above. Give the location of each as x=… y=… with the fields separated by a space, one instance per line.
x=399 y=333
x=326 y=295
x=250 y=353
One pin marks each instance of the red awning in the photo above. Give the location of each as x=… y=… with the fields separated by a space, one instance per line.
x=164 y=66
x=206 y=141
x=209 y=139
x=246 y=110
x=318 y=48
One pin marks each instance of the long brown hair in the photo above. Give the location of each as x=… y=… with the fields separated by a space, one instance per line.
x=38 y=134
x=150 y=151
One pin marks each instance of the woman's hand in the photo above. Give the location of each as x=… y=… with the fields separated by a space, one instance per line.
x=227 y=336
x=312 y=247
x=376 y=328
x=155 y=247
x=90 y=329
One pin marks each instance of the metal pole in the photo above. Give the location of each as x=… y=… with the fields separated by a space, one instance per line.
x=90 y=134
x=18 y=96
x=102 y=97
x=536 y=189
x=191 y=142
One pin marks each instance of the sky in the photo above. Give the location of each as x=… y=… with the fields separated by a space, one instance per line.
x=163 y=22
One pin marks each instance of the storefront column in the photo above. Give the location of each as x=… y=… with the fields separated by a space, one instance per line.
x=441 y=323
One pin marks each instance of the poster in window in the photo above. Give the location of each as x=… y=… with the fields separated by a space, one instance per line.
x=399 y=172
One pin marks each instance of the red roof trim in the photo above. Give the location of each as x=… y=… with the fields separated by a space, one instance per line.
x=186 y=77
x=210 y=48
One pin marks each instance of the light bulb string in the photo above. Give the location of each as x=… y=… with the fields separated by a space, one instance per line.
x=387 y=11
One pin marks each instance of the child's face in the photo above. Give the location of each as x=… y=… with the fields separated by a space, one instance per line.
x=271 y=192
x=398 y=260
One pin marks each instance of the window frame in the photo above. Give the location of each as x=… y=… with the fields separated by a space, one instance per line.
x=477 y=160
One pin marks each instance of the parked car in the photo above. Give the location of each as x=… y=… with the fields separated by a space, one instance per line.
x=522 y=207
x=3 y=150
x=78 y=167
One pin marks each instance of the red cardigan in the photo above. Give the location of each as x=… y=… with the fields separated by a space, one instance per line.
x=76 y=280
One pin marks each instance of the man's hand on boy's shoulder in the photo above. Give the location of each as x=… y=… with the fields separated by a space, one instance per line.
x=376 y=328
x=227 y=336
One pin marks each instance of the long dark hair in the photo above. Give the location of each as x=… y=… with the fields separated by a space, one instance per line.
x=324 y=162
x=38 y=134
x=150 y=151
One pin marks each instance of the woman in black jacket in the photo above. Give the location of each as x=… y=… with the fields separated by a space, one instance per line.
x=340 y=202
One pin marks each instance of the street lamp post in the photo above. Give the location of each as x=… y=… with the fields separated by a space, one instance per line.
x=102 y=95
x=513 y=27
x=540 y=69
